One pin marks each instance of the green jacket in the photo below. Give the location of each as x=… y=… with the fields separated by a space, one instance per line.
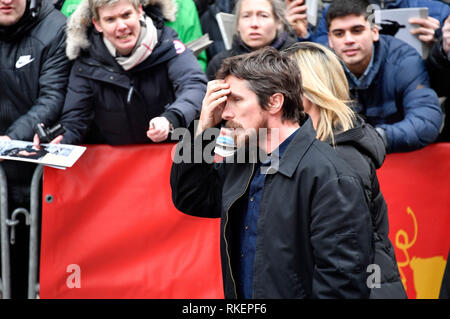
x=187 y=25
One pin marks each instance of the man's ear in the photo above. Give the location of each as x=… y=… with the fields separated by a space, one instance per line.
x=375 y=33
x=276 y=102
x=96 y=25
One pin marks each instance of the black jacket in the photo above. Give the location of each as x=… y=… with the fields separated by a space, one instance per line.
x=314 y=233
x=106 y=104
x=438 y=66
x=33 y=72
x=363 y=149
x=33 y=78
x=281 y=42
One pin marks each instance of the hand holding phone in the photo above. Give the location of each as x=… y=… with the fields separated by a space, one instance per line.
x=297 y=17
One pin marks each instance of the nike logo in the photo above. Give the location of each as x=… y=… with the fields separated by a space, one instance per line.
x=24 y=60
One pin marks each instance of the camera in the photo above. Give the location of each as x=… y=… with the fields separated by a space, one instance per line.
x=46 y=135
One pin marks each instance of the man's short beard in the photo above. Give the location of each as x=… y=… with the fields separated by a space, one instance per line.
x=250 y=134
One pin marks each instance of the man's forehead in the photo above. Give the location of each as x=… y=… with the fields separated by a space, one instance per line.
x=348 y=22
x=234 y=81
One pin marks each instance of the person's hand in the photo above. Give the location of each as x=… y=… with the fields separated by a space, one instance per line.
x=446 y=36
x=213 y=104
x=37 y=142
x=297 y=17
x=158 y=129
x=425 y=31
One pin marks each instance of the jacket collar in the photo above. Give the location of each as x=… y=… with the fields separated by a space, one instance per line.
x=100 y=56
x=298 y=147
x=282 y=40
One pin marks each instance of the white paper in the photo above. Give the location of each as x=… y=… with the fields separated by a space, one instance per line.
x=54 y=155
x=226 y=25
x=401 y=16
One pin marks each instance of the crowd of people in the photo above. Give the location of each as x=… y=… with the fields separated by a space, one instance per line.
x=337 y=96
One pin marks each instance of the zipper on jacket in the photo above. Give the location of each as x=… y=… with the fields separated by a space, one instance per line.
x=225 y=228
x=130 y=92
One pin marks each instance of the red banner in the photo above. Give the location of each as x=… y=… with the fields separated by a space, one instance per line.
x=416 y=186
x=109 y=228
x=111 y=231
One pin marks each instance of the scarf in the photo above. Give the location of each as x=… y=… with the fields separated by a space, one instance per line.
x=144 y=46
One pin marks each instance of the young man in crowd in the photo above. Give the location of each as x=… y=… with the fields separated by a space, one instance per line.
x=387 y=77
x=426 y=29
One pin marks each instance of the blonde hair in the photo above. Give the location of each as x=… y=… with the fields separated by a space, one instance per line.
x=324 y=84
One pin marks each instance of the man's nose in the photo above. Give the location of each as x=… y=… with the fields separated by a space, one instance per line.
x=6 y=2
x=227 y=113
x=349 y=37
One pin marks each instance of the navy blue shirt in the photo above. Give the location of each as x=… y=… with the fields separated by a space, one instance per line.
x=249 y=222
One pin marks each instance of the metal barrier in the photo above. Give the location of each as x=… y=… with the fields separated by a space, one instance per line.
x=8 y=235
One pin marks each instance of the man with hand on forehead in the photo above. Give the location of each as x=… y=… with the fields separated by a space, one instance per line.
x=294 y=220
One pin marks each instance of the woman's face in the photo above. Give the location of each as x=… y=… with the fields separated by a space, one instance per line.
x=120 y=24
x=256 y=23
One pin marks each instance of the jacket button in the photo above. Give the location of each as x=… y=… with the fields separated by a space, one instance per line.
x=246 y=227
x=111 y=78
x=252 y=199
x=80 y=70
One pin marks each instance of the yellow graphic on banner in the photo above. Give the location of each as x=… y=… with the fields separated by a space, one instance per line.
x=427 y=272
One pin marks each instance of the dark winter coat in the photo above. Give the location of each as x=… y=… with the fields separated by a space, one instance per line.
x=363 y=149
x=314 y=230
x=33 y=73
x=33 y=78
x=438 y=66
x=106 y=104
x=396 y=96
x=283 y=41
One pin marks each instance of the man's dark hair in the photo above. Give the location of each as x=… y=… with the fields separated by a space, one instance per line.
x=267 y=71
x=343 y=8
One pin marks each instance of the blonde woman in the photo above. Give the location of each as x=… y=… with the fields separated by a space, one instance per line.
x=326 y=100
